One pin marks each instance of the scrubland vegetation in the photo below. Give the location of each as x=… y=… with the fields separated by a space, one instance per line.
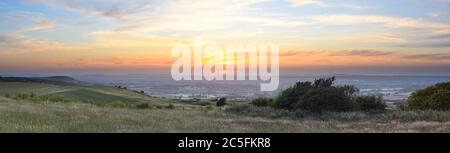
x=305 y=107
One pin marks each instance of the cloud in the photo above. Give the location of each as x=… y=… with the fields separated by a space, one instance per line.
x=434 y=44
x=122 y=61
x=434 y=14
x=406 y=32
x=440 y=36
x=388 y=21
x=368 y=53
x=302 y=53
x=443 y=57
x=45 y=25
x=109 y=9
x=149 y=17
x=38 y=21
x=20 y=44
x=300 y=3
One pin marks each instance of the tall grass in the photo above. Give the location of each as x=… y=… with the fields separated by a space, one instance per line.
x=61 y=99
x=376 y=116
x=26 y=116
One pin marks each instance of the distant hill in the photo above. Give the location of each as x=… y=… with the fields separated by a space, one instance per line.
x=56 y=80
x=67 y=89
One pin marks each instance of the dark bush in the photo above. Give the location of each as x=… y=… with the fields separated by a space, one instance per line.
x=319 y=96
x=7 y=95
x=241 y=108
x=368 y=103
x=436 y=97
x=201 y=103
x=209 y=107
x=143 y=106
x=262 y=102
x=171 y=106
x=221 y=102
x=323 y=83
x=288 y=97
x=325 y=99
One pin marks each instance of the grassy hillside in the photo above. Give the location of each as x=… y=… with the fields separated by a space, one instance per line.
x=23 y=116
x=37 y=107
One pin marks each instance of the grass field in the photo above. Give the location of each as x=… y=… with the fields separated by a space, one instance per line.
x=84 y=114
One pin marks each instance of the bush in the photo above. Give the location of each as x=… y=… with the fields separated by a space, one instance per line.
x=7 y=95
x=209 y=107
x=171 y=106
x=143 y=106
x=221 y=102
x=325 y=99
x=436 y=97
x=368 y=103
x=240 y=108
x=262 y=102
x=202 y=103
x=32 y=95
x=319 y=96
x=288 y=97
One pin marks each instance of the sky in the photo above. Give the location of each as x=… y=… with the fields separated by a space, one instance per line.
x=315 y=36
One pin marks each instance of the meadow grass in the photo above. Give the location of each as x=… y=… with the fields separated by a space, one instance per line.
x=355 y=116
x=25 y=116
x=109 y=109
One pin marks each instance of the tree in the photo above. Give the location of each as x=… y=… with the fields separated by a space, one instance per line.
x=436 y=97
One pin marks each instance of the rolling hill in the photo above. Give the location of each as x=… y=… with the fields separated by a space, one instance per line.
x=69 y=89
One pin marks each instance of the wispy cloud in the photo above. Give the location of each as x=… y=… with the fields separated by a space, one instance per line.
x=367 y=54
x=320 y=3
x=20 y=44
x=45 y=25
x=109 y=9
x=299 y=3
x=389 y=21
x=38 y=21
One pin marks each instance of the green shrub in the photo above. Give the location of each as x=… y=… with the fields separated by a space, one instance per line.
x=323 y=83
x=262 y=102
x=32 y=95
x=143 y=106
x=209 y=107
x=325 y=99
x=368 y=103
x=436 y=97
x=240 y=108
x=221 y=102
x=202 y=103
x=288 y=97
x=171 y=106
x=119 y=105
x=317 y=97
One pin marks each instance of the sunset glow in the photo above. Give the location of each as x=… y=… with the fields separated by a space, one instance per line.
x=321 y=34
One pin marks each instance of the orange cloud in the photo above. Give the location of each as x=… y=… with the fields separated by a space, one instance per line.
x=359 y=58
